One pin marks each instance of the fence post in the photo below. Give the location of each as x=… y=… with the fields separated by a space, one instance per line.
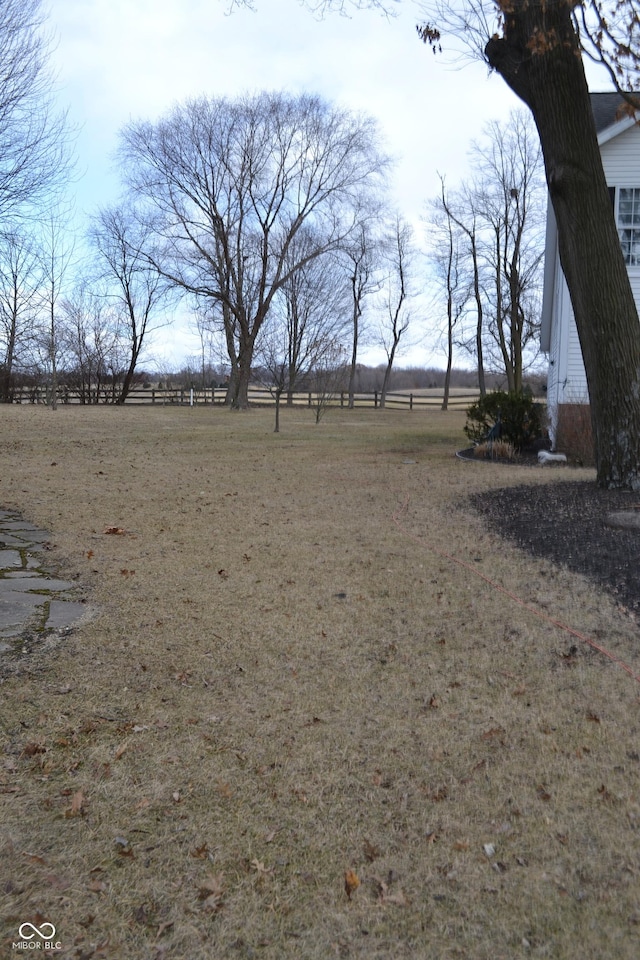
x=342 y=398
x=410 y=401
x=375 y=399
x=309 y=397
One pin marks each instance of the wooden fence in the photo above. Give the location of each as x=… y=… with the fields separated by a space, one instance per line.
x=257 y=397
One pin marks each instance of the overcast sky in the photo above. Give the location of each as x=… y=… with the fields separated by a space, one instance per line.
x=118 y=60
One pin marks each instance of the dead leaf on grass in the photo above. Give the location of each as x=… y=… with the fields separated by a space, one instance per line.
x=492 y=733
x=121 y=749
x=97 y=886
x=77 y=805
x=201 y=853
x=34 y=858
x=386 y=897
x=351 y=882
x=371 y=852
x=163 y=928
x=606 y=795
x=114 y=531
x=211 y=893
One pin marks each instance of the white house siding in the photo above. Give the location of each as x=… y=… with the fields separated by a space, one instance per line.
x=567 y=380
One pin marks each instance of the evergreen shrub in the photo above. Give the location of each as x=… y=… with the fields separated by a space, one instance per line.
x=521 y=418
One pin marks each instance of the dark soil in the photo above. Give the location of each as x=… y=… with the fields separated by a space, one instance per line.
x=565 y=522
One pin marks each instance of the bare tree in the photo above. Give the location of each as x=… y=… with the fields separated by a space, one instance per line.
x=133 y=286
x=362 y=260
x=326 y=379
x=92 y=350
x=34 y=138
x=508 y=196
x=308 y=317
x=447 y=255
x=19 y=293
x=55 y=252
x=399 y=259
x=465 y=218
x=230 y=184
x=499 y=213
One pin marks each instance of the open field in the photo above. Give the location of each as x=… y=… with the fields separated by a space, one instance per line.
x=287 y=680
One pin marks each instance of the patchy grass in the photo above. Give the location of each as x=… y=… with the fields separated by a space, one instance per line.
x=288 y=680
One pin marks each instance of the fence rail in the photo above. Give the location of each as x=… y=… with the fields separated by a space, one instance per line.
x=257 y=397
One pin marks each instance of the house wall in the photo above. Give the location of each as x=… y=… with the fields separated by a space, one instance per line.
x=567 y=382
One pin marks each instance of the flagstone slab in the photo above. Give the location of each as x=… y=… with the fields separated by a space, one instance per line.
x=31 y=596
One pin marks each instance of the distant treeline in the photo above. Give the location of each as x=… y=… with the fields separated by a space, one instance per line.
x=367 y=380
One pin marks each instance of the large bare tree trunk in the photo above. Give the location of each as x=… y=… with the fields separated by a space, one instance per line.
x=551 y=81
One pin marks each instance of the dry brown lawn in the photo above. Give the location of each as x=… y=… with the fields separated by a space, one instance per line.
x=288 y=682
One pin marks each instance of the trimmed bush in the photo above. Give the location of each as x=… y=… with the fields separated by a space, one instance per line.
x=521 y=419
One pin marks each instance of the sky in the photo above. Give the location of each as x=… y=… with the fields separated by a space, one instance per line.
x=122 y=60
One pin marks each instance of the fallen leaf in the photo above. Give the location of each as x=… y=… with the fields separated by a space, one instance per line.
x=397 y=898
x=371 y=852
x=164 y=926
x=493 y=732
x=212 y=884
x=34 y=857
x=593 y=717
x=201 y=853
x=351 y=882
x=606 y=795
x=77 y=803
x=31 y=749
x=97 y=886
x=224 y=790
x=211 y=893
x=114 y=531
x=121 y=749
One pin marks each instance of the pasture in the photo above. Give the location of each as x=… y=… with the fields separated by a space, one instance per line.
x=296 y=728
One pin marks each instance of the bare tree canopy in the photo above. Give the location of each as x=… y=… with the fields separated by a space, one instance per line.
x=498 y=213
x=229 y=184
x=34 y=140
x=132 y=286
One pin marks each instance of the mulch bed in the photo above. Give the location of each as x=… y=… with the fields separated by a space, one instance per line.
x=524 y=458
x=565 y=522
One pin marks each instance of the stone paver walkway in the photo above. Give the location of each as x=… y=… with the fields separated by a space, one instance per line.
x=31 y=598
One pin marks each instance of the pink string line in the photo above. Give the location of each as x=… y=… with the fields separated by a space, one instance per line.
x=512 y=596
